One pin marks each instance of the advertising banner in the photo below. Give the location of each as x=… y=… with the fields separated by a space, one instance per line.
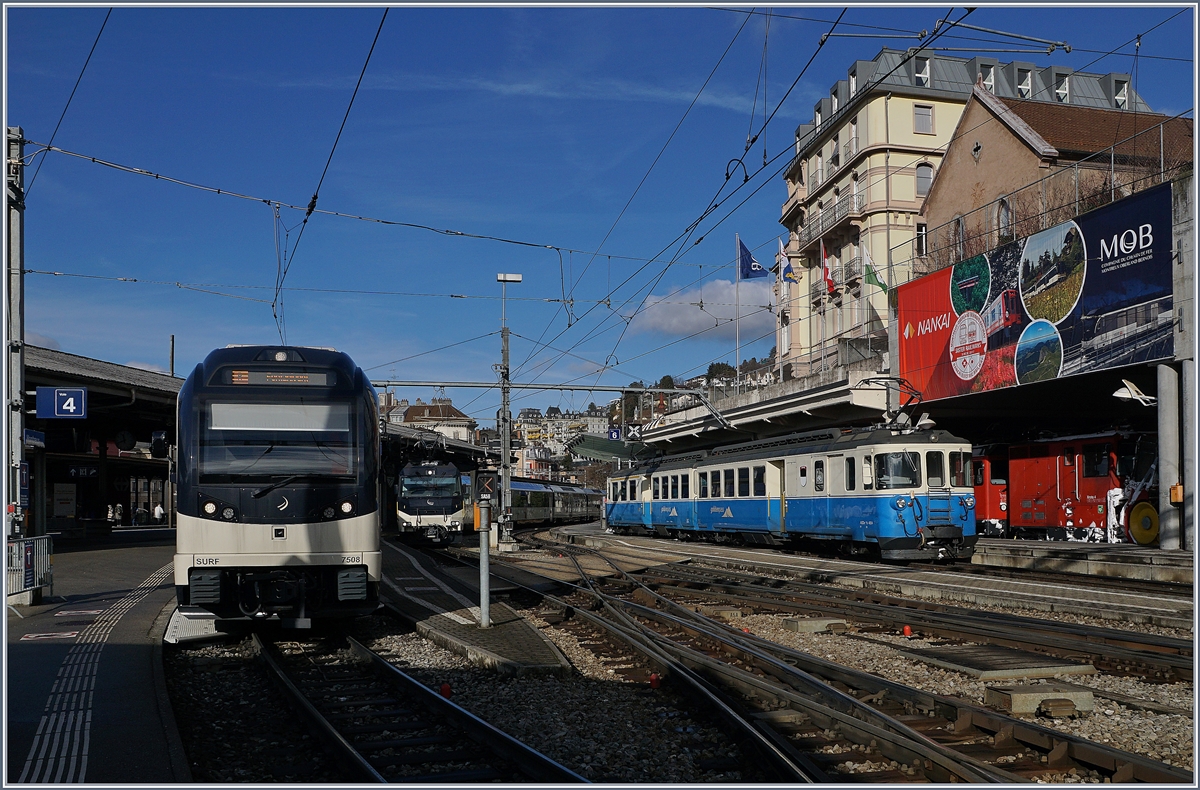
x=1088 y=294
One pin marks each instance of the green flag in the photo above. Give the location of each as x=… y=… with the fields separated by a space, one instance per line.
x=870 y=275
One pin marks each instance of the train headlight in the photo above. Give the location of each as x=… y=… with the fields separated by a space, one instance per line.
x=227 y=514
x=281 y=356
x=329 y=512
x=456 y=524
x=210 y=508
x=900 y=503
x=347 y=507
x=969 y=501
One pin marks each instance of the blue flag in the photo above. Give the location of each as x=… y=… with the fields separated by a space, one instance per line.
x=750 y=267
x=789 y=273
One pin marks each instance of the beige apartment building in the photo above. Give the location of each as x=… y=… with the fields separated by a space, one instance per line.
x=862 y=170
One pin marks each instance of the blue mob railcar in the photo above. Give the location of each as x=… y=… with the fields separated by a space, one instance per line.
x=902 y=492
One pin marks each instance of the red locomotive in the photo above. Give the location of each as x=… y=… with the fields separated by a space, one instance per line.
x=1099 y=487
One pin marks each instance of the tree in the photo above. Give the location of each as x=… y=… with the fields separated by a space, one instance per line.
x=666 y=383
x=720 y=370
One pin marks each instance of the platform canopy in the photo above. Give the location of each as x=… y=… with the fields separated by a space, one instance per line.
x=601 y=448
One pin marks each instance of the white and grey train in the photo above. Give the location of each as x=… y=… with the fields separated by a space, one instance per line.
x=278 y=486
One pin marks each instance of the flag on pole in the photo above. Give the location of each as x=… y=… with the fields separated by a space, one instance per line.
x=825 y=268
x=750 y=267
x=789 y=274
x=869 y=273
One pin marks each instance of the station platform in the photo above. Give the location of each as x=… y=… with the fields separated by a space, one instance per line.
x=1123 y=560
x=85 y=696
x=442 y=604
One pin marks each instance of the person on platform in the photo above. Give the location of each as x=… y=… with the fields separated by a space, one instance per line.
x=158 y=513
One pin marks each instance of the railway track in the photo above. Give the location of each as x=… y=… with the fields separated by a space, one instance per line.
x=833 y=716
x=384 y=726
x=1132 y=586
x=1110 y=650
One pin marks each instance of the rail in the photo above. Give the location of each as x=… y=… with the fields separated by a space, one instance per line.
x=30 y=565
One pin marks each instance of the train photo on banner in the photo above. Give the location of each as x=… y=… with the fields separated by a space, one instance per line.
x=893 y=491
x=438 y=504
x=1097 y=487
x=278 y=486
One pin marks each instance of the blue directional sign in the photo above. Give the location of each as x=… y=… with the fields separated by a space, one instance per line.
x=61 y=403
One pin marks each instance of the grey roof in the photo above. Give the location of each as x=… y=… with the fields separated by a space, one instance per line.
x=72 y=367
x=434 y=439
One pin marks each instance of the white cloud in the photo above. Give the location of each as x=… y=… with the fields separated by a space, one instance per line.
x=150 y=366
x=34 y=339
x=709 y=310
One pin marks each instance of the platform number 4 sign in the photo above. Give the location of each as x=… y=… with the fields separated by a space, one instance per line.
x=61 y=403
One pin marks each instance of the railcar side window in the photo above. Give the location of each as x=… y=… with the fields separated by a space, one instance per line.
x=656 y=488
x=674 y=486
x=849 y=474
x=960 y=470
x=1095 y=460
x=897 y=470
x=803 y=476
x=935 y=469
x=703 y=490
x=716 y=484
x=684 y=484
x=760 y=481
x=729 y=484
x=614 y=496
x=744 y=481
x=867 y=478
x=633 y=494
x=622 y=490
x=819 y=475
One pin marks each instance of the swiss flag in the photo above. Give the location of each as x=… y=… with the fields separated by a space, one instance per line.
x=825 y=268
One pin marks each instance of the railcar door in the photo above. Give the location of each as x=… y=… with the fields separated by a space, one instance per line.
x=776 y=501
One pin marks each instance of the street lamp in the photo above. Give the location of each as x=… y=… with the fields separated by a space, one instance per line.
x=504 y=424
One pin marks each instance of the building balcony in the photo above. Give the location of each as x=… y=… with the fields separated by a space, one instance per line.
x=852 y=270
x=850 y=149
x=793 y=205
x=849 y=207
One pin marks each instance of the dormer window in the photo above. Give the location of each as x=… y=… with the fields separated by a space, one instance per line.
x=853 y=83
x=921 y=73
x=987 y=74
x=1024 y=83
x=1062 y=88
x=833 y=102
x=1121 y=95
x=816 y=117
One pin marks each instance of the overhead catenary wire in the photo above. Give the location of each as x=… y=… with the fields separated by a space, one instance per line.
x=312 y=203
x=78 y=79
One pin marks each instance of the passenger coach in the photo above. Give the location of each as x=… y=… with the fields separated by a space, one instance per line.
x=903 y=493
x=278 y=491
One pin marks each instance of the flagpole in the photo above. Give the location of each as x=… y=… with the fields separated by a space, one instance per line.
x=737 y=315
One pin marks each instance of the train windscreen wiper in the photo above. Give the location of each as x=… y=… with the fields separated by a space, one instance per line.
x=262 y=492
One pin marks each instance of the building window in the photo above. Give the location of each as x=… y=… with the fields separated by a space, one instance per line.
x=922 y=239
x=1062 y=88
x=1121 y=95
x=816 y=117
x=835 y=159
x=921 y=73
x=924 y=178
x=1004 y=221
x=853 y=83
x=987 y=73
x=923 y=118
x=833 y=102
x=1024 y=83
x=960 y=238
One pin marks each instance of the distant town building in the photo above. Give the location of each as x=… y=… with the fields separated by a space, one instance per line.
x=438 y=415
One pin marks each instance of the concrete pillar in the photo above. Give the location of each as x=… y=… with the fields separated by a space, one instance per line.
x=1188 y=512
x=1169 y=532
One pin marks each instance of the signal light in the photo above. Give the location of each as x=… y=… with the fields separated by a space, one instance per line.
x=329 y=512
x=227 y=514
x=210 y=508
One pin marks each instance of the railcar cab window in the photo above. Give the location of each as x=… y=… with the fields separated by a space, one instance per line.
x=744 y=482
x=960 y=470
x=897 y=470
x=1068 y=456
x=702 y=490
x=849 y=474
x=684 y=481
x=760 y=481
x=935 y=469
x=819 y=475
x=1095 y=460
x=868 y=479
x=729 y=484
x=258 y=441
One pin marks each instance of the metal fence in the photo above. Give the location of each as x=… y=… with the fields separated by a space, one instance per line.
x=30 y=565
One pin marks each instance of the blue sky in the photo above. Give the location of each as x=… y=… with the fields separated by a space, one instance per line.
x=530 y=124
